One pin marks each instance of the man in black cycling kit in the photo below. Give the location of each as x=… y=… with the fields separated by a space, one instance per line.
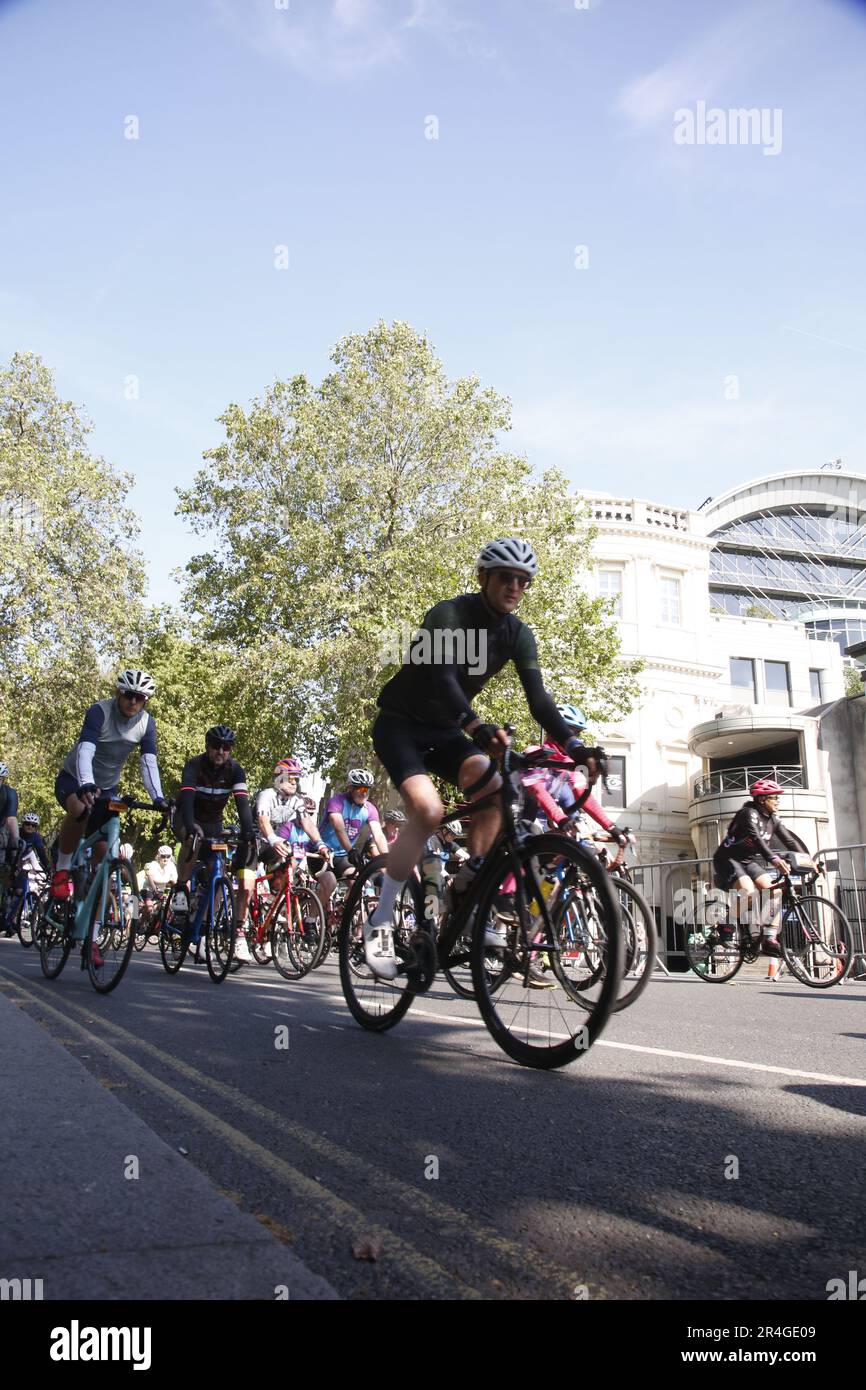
x=207 y=783
x=427 y=724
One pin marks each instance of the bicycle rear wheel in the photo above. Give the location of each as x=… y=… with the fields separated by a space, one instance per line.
x=56 y=923
x=173 y=937
x=374 y=1003
x=531 y=1013
x=220 y=941
x=817 y=943
x=713 y=960
x=635 y=912
x=112 y=927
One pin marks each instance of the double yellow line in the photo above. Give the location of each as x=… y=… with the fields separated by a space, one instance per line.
x=320 y=1202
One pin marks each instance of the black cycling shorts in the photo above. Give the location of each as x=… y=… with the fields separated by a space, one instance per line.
x=727 y=871
x=406 y=748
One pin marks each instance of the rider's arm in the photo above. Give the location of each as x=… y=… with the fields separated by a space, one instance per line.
x=311 y=830
x=39 y=847
x=241 y=794
x=86 y=748
x=590 y=805
x=789 y=839
x=551 y=808
x=186 y=796
x=149 y=766
x=376 y=828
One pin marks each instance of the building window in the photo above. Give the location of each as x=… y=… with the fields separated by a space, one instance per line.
x=743 y=677
x=777 y=682
x=615 y=797
x=610 y=586
x=670 y=596
x=815 y=687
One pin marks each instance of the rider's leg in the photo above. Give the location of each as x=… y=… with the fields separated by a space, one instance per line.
x=771 y=902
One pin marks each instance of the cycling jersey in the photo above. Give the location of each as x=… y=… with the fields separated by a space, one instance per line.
x=8 y=803
x=354 y=817
x=104 y=744
x=205 y=789
x=281 y=811
x=460 y=646
x=558 y=793
x=159 y=875
x=750 y=835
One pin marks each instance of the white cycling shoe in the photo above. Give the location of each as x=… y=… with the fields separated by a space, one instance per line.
x=379 y=951
x=495 y=937
x=242 y=950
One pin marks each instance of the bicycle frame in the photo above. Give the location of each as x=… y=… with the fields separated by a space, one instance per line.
x=99 y=886
x=205 y=910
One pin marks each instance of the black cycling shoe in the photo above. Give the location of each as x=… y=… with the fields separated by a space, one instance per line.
x=770 y=947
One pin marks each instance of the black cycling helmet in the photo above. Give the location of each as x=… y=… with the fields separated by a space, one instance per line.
x=220 y=733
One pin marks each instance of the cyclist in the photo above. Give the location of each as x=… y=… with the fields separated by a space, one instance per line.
x=427 y=724
x=30 y=858
x=111 y=730
x=350 y=820
x=563 y=796
x=207 y=782
x=745 y=859
x=393 y=821
x=285 y=823
x=157 y=877
x=9 y=832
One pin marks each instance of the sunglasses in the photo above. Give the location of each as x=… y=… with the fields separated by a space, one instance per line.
x=522 y=581
x=165 y=856
x=221 y=747
x=364 y=790
x=138 y=699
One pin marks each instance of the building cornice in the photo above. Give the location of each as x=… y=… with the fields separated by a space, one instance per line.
x=632 y=531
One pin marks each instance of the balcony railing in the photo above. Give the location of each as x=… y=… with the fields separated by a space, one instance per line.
x=739 y=779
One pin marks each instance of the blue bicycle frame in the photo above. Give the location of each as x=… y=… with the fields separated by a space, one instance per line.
x=99 y=887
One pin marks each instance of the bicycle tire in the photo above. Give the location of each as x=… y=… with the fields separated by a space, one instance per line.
x=500 y=1007
x=173 y=938
x=220 y=938
x=27 y=909
x=117 y=928
x=55 y=936
x=701 y=947
x=645 y=943
x=842 y=937
x=299 y=940
x=375 y=1003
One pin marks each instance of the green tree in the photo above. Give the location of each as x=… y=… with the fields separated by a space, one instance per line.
x=853 y=682
x=336 y=515
x=70 y=578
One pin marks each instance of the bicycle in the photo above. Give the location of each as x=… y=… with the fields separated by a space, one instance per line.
x=211 y=909
x=102 y=914
x=543 y=1028
x=640 y=937
x=815 y=936
x=290 y=927
x=148 y=922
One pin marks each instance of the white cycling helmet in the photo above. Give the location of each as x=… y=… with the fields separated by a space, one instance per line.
x=164 y=852
x=4 y=770
x=126 y=851
x=511 y=553
x=360 y=777
x=134 y=682
x=30 y=818
x=454 y=826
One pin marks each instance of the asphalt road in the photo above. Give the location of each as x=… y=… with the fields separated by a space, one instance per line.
x=709 y=1146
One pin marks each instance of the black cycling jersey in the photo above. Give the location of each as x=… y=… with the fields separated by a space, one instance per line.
x=751 y=834
x=8 y=803
x=205 y=789
x=459 y=647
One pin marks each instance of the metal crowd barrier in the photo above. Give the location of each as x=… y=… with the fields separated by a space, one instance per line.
x=678 y=891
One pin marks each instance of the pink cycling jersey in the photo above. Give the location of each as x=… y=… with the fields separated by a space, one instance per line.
x=545 y=782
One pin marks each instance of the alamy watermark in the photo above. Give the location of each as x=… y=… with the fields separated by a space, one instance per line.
x=739 y=125
x=444 y=646
x=702 y=906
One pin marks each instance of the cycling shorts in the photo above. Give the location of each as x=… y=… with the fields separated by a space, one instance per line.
x=64 y=786
x=727 y=871
x=406 y=748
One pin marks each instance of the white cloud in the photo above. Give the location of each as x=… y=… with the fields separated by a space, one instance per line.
x=327 y=39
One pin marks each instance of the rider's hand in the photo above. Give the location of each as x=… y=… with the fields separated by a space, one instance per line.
x=784 y=868
x=491 y=738
x=161 y=804
x=281 y=849
x=87 y=794
x=356 y=858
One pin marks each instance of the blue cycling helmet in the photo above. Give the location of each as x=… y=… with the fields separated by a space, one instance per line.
x=573 y=717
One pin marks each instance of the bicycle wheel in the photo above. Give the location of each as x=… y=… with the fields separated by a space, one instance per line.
x=816 y=940
x=173 y=937
x=713 y=960
x=299 y=934
x=112 y=927
x=636 y=914
x=530 y=1014
x=220 y=941
x=56 y=923
x=24 y=919
x=374 y=1003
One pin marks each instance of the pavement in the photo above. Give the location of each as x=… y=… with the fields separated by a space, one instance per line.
x=96 y=1205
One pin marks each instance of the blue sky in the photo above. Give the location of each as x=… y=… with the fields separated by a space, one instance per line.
x=262 y=124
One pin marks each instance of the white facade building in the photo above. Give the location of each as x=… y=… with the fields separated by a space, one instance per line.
x=725 y=698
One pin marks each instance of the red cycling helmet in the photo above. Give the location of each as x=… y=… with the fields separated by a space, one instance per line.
x=765 y=787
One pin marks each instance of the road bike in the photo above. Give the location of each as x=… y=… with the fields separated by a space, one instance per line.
x=640 y=936
x=210 y=915
x=102 y=914
x=526 y=887
x=815 y=935
x=287 y=927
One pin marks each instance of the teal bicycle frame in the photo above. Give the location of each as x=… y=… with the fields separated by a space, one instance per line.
x=98 y=890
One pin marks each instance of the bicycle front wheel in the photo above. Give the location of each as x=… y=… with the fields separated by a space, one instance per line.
x=532 y=1008
x=299 y=934
x=56 y=923
x=25 y=918
x=220 y=943
x=816 y=940
x=112 y=927
x=375 y=1003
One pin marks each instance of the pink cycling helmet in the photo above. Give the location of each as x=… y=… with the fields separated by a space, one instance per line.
x=765 y=787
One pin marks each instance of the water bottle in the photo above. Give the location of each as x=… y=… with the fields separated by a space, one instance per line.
x=432 y=876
